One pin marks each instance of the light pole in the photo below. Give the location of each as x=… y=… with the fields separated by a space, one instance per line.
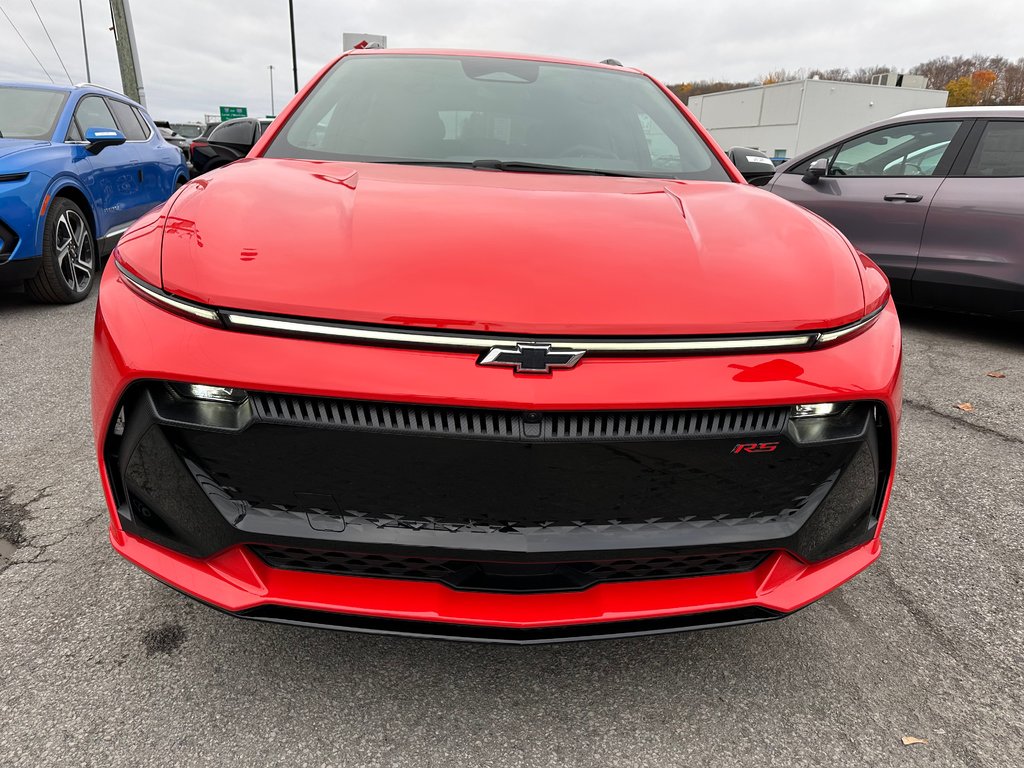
x=295 y=62
x=273 y=112
x=85 y=44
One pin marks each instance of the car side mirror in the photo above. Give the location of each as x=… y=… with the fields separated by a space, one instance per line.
x=815 y=171
x=755 y=166
x=98 y=139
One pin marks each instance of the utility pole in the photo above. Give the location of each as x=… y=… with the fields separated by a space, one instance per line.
x=85 y=43
x=295 y=61
x=127 y=51
x=272 y=110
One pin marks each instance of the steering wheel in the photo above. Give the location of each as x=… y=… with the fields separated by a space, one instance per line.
x=588 y=150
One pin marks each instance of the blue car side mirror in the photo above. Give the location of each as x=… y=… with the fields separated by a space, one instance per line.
x=98 y=139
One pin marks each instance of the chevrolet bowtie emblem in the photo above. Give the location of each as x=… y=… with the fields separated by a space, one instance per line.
x=531 y=358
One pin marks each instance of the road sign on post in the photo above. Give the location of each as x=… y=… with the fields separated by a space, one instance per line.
x=350 y=40
x=226 y=113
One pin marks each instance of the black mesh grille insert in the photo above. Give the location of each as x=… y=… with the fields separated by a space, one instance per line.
x=505 y=576
x=517 y=425
x=7 y=241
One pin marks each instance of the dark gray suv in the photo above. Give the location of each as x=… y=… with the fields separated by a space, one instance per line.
x=935 y=197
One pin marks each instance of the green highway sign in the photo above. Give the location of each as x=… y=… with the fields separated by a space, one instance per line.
x=226 y=113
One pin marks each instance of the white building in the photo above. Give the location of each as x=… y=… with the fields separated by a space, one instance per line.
x=786 y=119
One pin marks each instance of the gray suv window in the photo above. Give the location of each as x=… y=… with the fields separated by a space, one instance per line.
x=914 y=149
x=128 y=120
x=1000 y=151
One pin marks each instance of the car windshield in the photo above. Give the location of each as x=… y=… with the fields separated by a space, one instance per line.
x=514 y=113
x=29 y=113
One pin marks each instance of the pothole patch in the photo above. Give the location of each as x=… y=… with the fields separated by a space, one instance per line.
x=165 y=639
x=12 y=518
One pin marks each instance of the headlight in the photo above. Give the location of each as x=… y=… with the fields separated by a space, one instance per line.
x=209 y=393
x=815 y=409
x=828 y=422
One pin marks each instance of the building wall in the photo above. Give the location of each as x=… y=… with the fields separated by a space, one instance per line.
x=767 y=138
x=800 y=115
x=832 y=109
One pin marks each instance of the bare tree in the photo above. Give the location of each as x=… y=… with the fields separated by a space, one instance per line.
x=1013 y=83
x=841 y=74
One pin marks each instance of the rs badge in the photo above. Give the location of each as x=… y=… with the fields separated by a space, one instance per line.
x=755 y=447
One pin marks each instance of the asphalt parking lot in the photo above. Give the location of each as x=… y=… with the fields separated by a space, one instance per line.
x=101 y=665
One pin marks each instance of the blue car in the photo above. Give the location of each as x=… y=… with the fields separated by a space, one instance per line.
x=78 y=164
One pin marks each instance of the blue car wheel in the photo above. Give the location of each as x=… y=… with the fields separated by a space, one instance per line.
x=68 y=268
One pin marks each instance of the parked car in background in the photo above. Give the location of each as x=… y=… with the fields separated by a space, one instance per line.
x=188 y=130
x=227 y=142
x=175 y=138
x=935 y=197
x=755 y=166
x=207 y=130
x=78 y=164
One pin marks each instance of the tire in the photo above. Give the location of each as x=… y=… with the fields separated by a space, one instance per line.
x=68 y=268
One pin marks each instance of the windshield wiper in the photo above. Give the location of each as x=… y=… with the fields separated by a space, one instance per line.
x=524 y=167
x=512 y=166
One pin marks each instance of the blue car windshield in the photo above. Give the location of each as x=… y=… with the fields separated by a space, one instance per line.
x=509 y=114
x=29 y=113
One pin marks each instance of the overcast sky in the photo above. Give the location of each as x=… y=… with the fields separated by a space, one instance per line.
x=198 y=54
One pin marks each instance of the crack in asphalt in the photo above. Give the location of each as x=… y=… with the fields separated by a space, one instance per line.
x=12 y=523
x=13 y=536
x=981 y=428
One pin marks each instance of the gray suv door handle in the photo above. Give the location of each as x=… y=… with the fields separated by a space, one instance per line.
x=903 y=197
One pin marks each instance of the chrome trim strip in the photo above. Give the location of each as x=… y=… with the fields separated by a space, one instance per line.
x=444 y=341
x=170 y=302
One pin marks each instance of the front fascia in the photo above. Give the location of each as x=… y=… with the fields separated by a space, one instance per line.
x=135 y=340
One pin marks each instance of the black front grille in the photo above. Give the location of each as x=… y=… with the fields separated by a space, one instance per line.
x=486 y=576
x=274 y=476
x=517 y=425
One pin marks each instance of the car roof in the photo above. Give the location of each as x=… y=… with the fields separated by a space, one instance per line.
x=486 y=54
x=79 y=87
x=959 y=112
x=39 y=86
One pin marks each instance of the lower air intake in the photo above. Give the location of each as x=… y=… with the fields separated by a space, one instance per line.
x=486 y=576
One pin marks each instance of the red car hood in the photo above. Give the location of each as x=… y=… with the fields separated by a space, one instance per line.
x=511 y=252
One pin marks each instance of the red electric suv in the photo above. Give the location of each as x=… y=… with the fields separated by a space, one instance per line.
x=493 y=347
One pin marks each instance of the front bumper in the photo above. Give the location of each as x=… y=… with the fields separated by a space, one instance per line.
x=205 y=548
x=19 y=226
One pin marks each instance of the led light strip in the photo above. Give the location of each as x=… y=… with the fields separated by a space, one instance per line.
x=172 y=303
x=829 y=337
x=244 y=321
x=439 y=341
